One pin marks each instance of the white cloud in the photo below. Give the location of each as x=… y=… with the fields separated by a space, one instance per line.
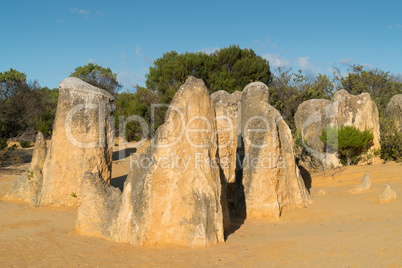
x=398 y=26
x=139 y=53
x=91 y=61
x=138 y=50
x=303 y=62
x=276 y=60
x=208 y=50
x=148 y=59
x=306 y=66
x=86 y=14
x=347 y=61
x=129 y=78
x=100 y=13
x=273 y=46
x=368 y=66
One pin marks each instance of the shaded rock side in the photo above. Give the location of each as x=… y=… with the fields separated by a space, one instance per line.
x=271 y=180
x=172 y=192
x=26 y=187
x=81 y=141
x=394 y=110
x=226 y=110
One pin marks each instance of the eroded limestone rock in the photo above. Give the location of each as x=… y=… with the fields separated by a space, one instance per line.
x=388 y=194
x=394 y=110
x=271 y=180
x=173 y=191
x=365 y=185
x=81 y=141
x=344 y=109
x=27 y=186
x=226 y=111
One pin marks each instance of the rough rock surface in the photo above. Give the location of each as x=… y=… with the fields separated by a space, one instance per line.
x=271 y=181
x=26 y=187
x=172 y=193
x=388 y=194
x=394 y=110
x=365 y=185
x=311 y=117
x=226 y=111
x=344 y=109
x=358 y=111
x=81 y=141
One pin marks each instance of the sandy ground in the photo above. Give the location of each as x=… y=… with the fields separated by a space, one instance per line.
x=338 y=230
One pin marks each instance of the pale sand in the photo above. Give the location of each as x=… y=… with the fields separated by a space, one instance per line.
x=338 y=230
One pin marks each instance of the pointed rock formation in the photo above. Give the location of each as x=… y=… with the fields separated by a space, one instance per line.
x=312 y=116
x=394 y=110
x=271 y=180
x=27 y=186
x=365 y=185
x=81 y=141
x=388 y=194
x=172 y=193
x=226 y=111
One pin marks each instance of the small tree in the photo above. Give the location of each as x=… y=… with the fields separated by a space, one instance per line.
x=348 y=141
x=391 y=140
x=98 y=76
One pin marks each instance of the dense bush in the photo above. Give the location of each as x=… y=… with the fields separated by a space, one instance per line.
x=3 y=143
x=24 y=144
x=348 y=141
x=391 y=140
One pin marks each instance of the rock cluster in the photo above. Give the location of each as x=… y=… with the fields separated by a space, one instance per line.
x=344 y=109
x=81 y=141
x=173 y=190
x=211 y=151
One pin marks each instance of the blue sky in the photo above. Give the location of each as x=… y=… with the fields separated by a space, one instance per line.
x=47 y=40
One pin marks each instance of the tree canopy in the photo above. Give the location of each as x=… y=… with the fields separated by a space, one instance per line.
x=25 y=107
x=227 y=69
x=98 y=76
x=379 y=84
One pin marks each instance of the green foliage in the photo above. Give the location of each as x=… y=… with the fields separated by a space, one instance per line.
x=228 y=69
x=10 y=83
x=30 y=174
x=379 y=84
x=25 y=107
x=24 y=144
x=348 y=141
x=139 y=103
x=391 y=140
x=3 y=143
x=73 y=195
x=289 y=90
x=98 y=76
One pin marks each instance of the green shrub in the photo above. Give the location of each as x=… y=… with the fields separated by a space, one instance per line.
x=348 y=141
x=391 y=140
x=24 y=144
x=3 y=144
